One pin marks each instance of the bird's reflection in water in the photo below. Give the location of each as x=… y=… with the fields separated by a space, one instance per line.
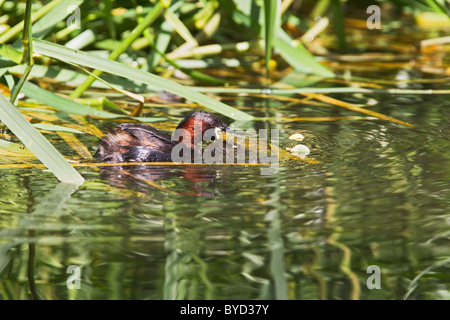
x=193 y=180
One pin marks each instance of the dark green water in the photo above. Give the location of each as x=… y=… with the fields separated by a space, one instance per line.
x=381 y=196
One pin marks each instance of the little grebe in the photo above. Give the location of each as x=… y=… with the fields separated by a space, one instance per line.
x=135 y=142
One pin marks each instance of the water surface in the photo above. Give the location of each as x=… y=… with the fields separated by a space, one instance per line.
x=381 y=196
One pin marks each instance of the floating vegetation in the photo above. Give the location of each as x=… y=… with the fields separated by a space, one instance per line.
x=296 y=137
x=299 y=150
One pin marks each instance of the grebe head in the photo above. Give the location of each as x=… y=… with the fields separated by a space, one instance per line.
x=203 y=118
x=200 y=122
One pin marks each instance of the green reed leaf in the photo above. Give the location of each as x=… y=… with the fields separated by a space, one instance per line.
x=153 y=81
x=52 y=127
x=73 y=107
x=271 y=19
x=37 y=143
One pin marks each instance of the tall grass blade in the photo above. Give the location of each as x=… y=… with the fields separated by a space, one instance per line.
x=192 y=73
x=38 y=144
x=338 y=21
x=73 y=107
x=178 y=26
x=52 y=127
x=298 y=56
x=438 y=7
x=82 y=40
x=125 y=44
x=42 y=27
x=11 y=53
x=27 y=42
x=73 y=78
x=155 y=82
x=161 y=43
x=14 y=31
x=271 y=19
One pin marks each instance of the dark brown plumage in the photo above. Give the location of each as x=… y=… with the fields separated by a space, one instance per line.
x=134 y=142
